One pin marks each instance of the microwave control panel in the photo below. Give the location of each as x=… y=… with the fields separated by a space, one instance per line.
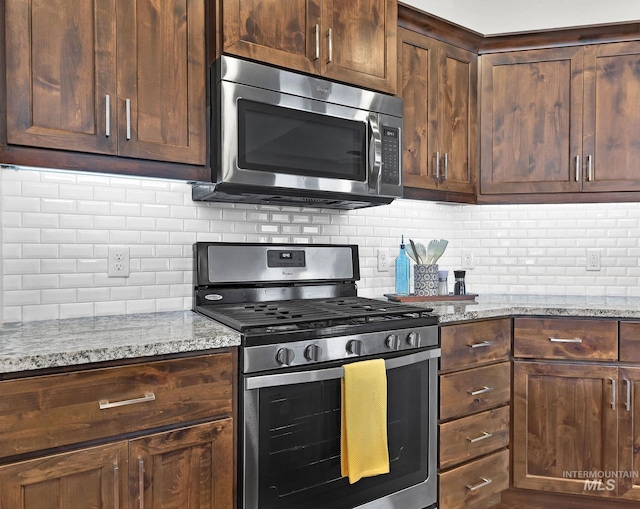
x=390 y=155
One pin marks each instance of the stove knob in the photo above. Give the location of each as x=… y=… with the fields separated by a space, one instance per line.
x=413 y=339
x=313 y=353
x=393 y=342
x=355 y=347
x=285 y=356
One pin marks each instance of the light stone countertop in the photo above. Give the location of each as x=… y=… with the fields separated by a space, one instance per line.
x=54 y=343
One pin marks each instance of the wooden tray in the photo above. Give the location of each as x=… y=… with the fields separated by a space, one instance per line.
x=416 y=298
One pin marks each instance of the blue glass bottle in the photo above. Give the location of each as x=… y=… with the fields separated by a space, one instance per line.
x=402 y=271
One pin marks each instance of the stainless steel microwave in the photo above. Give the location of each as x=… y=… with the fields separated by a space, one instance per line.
x=279 y=137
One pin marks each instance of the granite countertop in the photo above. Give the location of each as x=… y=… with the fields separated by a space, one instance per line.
x=53 y=343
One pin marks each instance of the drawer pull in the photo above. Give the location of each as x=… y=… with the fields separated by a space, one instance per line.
x=485 y=482
x=565 y=340
x=484 y=436
x=481 y=345
x=105 y=403
x=481 y=391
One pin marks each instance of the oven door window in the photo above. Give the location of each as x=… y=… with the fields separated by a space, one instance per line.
x=275 y=139
x=299 y=443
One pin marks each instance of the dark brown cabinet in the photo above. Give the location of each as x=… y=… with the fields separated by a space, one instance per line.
x=349 y=41
x=109 y=77
x=560 y=120
x=438 y=84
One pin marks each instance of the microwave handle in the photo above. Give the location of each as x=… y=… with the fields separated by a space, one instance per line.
x=375 y=155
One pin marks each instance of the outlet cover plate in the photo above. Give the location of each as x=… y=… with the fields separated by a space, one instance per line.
x=118 y=264
x=593 y=259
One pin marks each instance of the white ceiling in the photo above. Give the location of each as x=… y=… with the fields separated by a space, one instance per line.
x=492 y=17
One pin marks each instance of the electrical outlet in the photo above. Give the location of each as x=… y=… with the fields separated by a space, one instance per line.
x=118 y=262
x=593 y=259
x=467 y=260
x=383 y=260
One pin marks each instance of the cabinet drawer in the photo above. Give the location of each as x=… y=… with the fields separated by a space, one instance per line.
x=561 y=338
x=630 y=341
x=470 y=484
x=49 y=411
x=474 y=436
x=474 y=390
x=475 y=343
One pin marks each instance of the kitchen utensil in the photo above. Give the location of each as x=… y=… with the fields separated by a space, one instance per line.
x=431 y=247
x=416 y=255
x=439 y=250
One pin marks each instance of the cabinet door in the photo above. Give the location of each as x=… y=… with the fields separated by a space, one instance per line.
x=162 y=80
x=94 y=477
x=629 y=429
x=280 y=32
x=458 y=119
x=531 y=121
x=418 y=86
x=612 y=123
x=564 y=424
x=60 y=65
x=187 y=468
x=359 y=42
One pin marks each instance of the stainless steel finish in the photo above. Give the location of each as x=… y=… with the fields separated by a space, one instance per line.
x=627 y=403
x=613 y=393
x=107 y=119
x=116 y=487
x=141 y=483
x=375 y=155
x=128 y=107
x=481 y=391
x=589 y=169
x=330 y=38
x=578 y=168
x=317 y=34
x=318 y=375
x=392 y=342
x=313 y=353
x=234 y=263
x=483 y=344
x=446 y=166
x=485 y=482
x=285 y=356
x=263 y=357
x=565 y=340
x=437 y=177
x=484 y=436
x=413 y=339
x=104 y=404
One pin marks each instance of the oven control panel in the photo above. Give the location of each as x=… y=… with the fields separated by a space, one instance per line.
x=302 y=353
x=285 y=258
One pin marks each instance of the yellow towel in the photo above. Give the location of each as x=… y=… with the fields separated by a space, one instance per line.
x=363 y=441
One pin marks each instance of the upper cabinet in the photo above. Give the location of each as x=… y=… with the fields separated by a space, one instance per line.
x=438 y=85
x=110 y=77
x=351 y=41
x=561 y=120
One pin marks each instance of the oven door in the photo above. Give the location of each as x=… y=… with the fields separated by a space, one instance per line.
x=273 y=139
x=290 y=442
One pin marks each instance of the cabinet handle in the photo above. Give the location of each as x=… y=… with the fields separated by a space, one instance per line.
x=627 y=403
x=105 y=403
x=116 y=487
x=481 y=391
x=107 y=119
x=141 y=482
x=437 y=177
x=317 y=34
x=484 y=483
x=484 y=436
x=577 y=168
x=565 y=340
x=481 y=345
x=330 y=37
x=446 y=166
x=589 y=168
x=613 y=393
x=128 y=105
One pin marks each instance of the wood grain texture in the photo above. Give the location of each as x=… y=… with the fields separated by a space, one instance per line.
x=630 y=342
x=457 y=343
x=563 y=420
x=598 y=339
x=456 y=399
x=457 y=437
x=49 y=411
x=529 y=499
x=629 y=433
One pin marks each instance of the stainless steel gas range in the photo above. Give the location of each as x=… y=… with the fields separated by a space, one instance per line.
x=301 y=320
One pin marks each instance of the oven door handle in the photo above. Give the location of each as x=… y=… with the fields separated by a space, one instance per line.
x=318 y=375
